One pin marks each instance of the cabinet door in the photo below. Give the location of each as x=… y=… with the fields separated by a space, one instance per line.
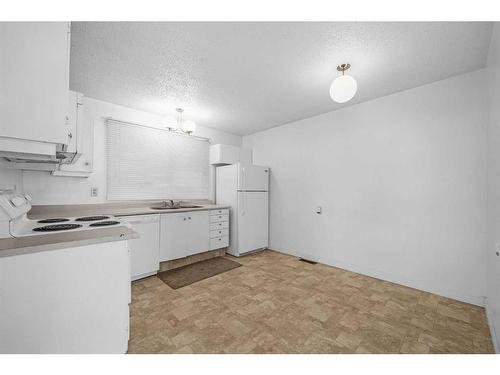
x=71 y=122
x=173 y=236
x=74 y=117
x=34 y=71
x=79 y=304
x=83 y=166
x=198 y=237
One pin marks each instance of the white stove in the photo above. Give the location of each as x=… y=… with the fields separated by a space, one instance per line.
x=14 y=221
x=47 y=296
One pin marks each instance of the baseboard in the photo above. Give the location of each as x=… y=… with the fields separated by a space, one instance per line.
x=181 y=262
x=143 y=276
x=491 y=324
x=397 y=279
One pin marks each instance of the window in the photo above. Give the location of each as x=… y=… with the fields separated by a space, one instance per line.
x=151 y=163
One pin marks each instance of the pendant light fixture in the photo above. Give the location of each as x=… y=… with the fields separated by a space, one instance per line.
x=343 y=88
x=186 y=126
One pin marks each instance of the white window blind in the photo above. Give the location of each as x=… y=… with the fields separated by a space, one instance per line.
x=149 y=163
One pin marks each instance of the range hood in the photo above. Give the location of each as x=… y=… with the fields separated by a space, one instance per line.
x=65 y=156
x=15 y=149
x=24 y=154
x=50 y=156
x=16 y=153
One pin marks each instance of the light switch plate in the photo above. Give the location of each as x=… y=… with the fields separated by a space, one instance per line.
x=94 y=191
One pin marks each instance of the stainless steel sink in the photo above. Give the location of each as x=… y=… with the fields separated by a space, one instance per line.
x=174 y=207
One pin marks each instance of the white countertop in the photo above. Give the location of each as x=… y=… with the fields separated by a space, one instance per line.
x=115 y=209
x=59 y=240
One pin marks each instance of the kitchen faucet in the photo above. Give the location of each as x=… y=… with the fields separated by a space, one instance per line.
x=172 y=204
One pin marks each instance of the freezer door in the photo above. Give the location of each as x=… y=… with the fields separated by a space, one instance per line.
x=253 y=218
x=253 y=177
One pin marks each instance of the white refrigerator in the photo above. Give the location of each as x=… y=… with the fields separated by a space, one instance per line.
x=245 y=189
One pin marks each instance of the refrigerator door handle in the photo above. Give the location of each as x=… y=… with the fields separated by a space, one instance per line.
x=243 y=178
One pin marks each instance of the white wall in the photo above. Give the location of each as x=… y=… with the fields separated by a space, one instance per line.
x=11 y=179
x=402 y=183
x=47 y=189
x=493 y=261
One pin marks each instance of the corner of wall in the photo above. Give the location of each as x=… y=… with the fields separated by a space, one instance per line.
x=491 y=324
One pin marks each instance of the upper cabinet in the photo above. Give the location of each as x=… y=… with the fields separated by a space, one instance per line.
x=79 y=151
x=226 y=154
x=73 y=159
x=74 y=125
x=34 y=84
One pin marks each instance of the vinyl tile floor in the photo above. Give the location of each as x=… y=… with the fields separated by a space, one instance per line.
x=278 y=304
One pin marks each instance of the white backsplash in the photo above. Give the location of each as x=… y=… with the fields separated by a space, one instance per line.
x=11 y=179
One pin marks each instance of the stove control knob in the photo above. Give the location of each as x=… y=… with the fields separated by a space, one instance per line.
x=28 y=197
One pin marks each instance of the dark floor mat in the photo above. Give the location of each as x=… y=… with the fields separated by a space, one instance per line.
x=187 y=275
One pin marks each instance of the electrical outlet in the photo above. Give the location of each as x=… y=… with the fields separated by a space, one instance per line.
x=94 y=192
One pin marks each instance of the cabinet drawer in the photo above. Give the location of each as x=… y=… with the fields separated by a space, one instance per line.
x=224 y=211
x=219 y=233
x=219 y=225
x=218 y=242
x=218 y=218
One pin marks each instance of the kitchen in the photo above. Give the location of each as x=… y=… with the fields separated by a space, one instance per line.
x=147 y=208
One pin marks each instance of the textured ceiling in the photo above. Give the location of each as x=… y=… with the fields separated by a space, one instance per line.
x=245 y=77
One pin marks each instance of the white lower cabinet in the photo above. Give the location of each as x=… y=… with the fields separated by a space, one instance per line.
x=219 y=242
x=183 y=234
x=219 y=228
x=219 y=225
x=197 y=236
x=219 y=232
x=186 y=233
x=72 y=300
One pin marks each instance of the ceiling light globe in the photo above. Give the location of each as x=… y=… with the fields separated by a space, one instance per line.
x=343 y=89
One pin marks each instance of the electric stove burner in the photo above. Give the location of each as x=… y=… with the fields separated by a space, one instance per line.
x=56 y=227
x=104 y=223
x=92 y=218
x=55 y=220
